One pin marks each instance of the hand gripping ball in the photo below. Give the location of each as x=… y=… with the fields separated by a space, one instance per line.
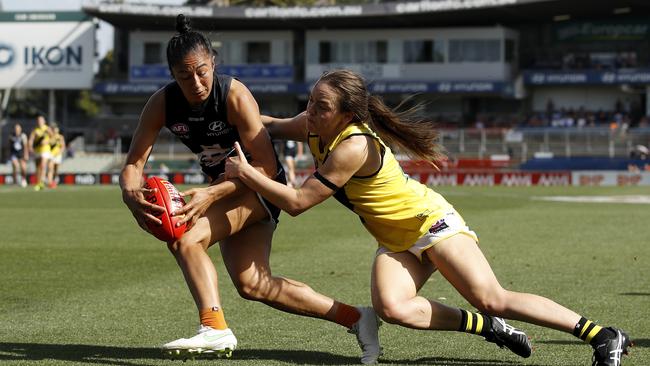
x=167 y=196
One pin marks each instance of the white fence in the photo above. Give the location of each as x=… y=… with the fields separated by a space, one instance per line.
x=525 y=143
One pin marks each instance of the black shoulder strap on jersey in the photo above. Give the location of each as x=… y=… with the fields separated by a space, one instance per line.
x=221 y=88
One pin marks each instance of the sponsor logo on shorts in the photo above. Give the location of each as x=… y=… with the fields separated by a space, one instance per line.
x=439 y=226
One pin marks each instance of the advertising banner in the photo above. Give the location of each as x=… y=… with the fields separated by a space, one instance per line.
x=631 y=30
x=432 y=178
x=610 y=178
x=593 y=77
x=46 y=51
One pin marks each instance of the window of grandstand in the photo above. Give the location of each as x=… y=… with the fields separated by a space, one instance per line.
x=152 y=53
x=324 y=52
x=352 y=51
x=474 y=50
x=510 y=51
x=258 y=52
x=424 y=51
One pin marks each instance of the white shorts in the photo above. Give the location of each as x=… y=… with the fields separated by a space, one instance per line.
x=451 y=224
x=43 y=155
x=57 y=159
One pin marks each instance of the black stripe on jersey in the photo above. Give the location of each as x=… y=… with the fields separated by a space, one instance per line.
x=344 y=200
x=325 y=181
x=382 y=153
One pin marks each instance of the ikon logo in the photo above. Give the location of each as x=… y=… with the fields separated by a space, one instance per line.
x=6 y=55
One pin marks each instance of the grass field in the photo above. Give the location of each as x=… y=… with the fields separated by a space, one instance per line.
x=82 y=284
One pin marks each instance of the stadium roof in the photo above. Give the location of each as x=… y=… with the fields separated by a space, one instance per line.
x=425 y=13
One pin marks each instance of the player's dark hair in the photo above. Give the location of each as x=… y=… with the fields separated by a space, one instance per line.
x=403 y=130
x=185 y=41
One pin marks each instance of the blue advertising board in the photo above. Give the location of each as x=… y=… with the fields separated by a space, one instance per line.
x=244 y=72
x=578 y=77
x=283 y=87
x=442 y=87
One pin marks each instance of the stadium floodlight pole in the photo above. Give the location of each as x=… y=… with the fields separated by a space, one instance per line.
x=51 y=106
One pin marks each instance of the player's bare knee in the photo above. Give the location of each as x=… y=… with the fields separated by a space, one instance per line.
x=391 y=311
x=493 y=303
x=184 y=246
x=252 y=288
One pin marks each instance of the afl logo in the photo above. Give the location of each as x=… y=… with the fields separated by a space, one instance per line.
x=217 y=126
x=180 y=128
x=6 y=55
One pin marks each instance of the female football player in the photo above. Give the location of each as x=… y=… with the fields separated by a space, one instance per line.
x=349 y=133
x=292 y=151
x=209 y=112
x=19 y=154
x=57 y=149
x=39 y=144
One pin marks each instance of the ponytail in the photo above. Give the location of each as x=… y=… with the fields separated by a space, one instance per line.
x=404 y=131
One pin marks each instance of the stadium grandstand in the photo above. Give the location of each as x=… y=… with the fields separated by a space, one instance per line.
x=554 y=91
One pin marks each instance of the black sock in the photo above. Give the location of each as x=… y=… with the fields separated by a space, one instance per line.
x=591 y=333
x=474 y=323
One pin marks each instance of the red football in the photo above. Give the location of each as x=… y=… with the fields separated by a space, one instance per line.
x=167 y=196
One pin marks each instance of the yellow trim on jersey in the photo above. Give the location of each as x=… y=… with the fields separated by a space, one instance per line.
x=394 y=208
x=42 y=137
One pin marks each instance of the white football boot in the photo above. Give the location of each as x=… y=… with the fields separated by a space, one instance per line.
x=208 y=342
x=367 y=331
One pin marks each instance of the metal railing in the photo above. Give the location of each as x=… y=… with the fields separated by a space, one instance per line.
x=519 y=144
x=525 y=143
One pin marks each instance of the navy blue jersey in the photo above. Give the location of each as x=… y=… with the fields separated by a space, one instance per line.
x=16 y=144
x=207 y=131
x=204 y=130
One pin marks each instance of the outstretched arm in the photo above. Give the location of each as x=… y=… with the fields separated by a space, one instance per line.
x=346 y=159
x=294 y=128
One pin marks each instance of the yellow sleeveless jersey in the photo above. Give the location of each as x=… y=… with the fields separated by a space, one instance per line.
x=394 y=208
x=41 y=142
x=56 y=145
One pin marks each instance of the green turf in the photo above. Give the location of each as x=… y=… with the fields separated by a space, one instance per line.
x=82 y=284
